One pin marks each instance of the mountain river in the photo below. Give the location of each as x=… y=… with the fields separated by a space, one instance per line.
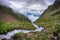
x=11 y=33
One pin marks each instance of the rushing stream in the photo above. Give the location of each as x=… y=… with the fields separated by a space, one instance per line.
x=27 y=6
x=9 y=34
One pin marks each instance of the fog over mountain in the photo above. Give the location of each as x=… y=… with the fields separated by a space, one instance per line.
x=28 y=6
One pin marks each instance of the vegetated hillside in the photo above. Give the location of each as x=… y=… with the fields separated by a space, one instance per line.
x=10 y=20
x=51 y=18
x=17 y=16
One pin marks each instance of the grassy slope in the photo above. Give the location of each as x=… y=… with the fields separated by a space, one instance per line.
x=50 y=20
x=21 y=21
x=51 y=17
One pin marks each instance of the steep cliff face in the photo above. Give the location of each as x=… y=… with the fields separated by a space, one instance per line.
x=51 y=17
x=10 y=20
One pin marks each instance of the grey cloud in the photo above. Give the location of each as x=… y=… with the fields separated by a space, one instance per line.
x=38 y=5
x=43 y=2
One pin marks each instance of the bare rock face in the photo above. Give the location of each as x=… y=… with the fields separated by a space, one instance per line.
x=57 y=3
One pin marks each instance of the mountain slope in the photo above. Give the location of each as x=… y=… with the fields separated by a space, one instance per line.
x=51 y=17
x=10 y=20
x=15 y=15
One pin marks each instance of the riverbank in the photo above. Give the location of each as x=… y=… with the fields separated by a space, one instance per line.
x=11 y=33
x=6 y=26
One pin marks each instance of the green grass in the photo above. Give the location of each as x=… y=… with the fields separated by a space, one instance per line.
x=51 y=22
x=8 y=26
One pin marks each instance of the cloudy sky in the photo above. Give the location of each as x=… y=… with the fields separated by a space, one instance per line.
x=25 y=6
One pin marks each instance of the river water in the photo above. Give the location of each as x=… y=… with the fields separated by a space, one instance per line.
x=9 y=34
